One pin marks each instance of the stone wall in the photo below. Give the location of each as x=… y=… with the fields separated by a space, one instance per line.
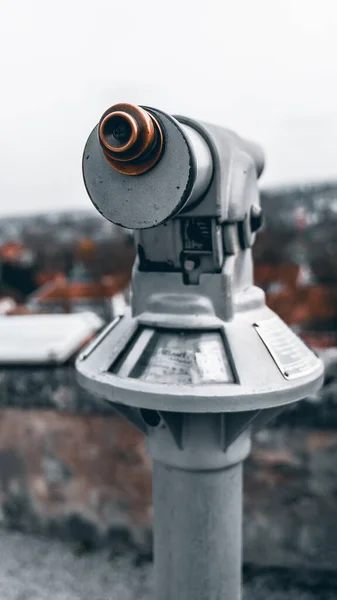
x=74 y=476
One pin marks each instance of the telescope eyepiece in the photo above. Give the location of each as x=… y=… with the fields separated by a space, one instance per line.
x=119 y=131
x=131 y=139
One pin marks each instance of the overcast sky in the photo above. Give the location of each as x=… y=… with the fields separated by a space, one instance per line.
x=266 y=68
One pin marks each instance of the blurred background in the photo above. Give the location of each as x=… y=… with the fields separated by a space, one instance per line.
x=69 y=466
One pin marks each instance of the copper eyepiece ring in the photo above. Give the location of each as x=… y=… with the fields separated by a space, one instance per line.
x=131 y=139
x=115 y=121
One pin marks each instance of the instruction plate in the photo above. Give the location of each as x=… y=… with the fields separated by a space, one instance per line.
x=184 y=358
x=292 y=356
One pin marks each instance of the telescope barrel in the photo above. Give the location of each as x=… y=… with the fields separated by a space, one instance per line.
x=142 y=166
x=203 y=163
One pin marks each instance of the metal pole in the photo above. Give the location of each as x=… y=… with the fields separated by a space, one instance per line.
x=197 y=533
x=197 y=498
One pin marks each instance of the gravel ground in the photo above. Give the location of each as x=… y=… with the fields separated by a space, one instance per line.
x=39 y=569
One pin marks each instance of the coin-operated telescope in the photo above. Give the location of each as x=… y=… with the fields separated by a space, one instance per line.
x=199 y=361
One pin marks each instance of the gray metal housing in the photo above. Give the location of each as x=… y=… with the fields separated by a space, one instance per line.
x=199 y=361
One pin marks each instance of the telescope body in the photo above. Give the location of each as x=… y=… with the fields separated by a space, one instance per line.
x=198 y=362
